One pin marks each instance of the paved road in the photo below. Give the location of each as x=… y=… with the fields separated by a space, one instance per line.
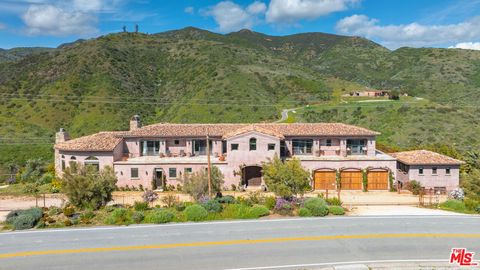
x=242 y=244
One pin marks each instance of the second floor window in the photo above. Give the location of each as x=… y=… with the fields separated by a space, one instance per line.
x=253 y=144
x=302 y=147
x=357 y=147
x=434 y=170
x=328 y=142
x=447 y=171
x=150 y=148
x=420 y=171
x=271 y=146
x=234 y=146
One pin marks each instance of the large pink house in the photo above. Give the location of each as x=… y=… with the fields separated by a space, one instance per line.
x=161 y=154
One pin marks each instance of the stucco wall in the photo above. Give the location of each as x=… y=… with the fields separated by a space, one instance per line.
x=441 y=179
x=104 y=158
x=146 y=173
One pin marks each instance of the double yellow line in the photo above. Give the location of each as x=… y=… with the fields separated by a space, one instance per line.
x=238 y=242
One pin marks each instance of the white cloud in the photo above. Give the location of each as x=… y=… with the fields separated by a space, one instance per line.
x=467 y=46
x=413 y=34
x=257 y=8
x=232 y=17
x=56 y=21
x=87 y=5
x=189 y=10
x=2 y=26
x=289 y=11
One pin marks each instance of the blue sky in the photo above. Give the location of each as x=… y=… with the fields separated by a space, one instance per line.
x=392 y=23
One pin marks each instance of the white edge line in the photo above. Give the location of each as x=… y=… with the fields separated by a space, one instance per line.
x=141 y=226
x=337 y=263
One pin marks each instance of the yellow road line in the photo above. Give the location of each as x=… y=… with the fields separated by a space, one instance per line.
x=239 y=242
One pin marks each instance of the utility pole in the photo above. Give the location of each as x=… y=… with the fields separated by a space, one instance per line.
x=209 y=168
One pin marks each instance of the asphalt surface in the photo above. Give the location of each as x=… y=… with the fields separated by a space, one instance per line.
x=265 y=244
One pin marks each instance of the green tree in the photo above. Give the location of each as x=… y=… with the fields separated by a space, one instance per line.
x=196 y=184
x=87 y=188
x=471 y=184
x=286 y=179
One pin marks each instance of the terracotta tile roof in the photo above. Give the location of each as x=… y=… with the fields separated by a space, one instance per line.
x=219 y=130
x=255 y=128
x=101 y=142
x=425 y=157
x=106 y=141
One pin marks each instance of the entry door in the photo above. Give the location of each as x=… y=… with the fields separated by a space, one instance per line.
x=159 y=178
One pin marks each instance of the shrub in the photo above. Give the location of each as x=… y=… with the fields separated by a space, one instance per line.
x=119 y=216
x=414 y=186
x=286 y=179
x=159 y=216
x=137 y=217
x=180 y=206
x=226 y=199
x=317 y=206
x=258 y=211
x=236 y=211
x=304 y=212
x=471 y=205
x=149 y=196
x=457 y=194
x=195 y=213
x=254 y=197
x=283 y=206
x=23 y=222
x=196 y=184
x=87 y=216
x=270 y=202
x=212 y=206
x=68 y=211
x=12 y=215
x=53 y=211
x=140 y=206
x=67 y=222
x=333 y=201
x=33 y=213
x=453 y=205
x=36 y=213
x=336 y=210
x=87 y=188
x=170 y=200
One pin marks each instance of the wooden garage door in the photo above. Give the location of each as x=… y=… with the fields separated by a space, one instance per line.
x=351 y=180
x=377 y=180
x=325 y=180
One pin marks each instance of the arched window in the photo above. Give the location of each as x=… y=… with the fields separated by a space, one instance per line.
x=92 y=162
x=73 y=164
x=253 y=144
x=63 y=163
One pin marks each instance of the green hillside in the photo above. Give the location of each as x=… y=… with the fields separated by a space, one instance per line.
x=193 y=75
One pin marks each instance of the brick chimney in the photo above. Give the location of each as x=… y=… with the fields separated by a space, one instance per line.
x=61 y=136
x=135 y=122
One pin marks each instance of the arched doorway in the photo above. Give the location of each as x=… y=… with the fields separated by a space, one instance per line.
x=252 y=176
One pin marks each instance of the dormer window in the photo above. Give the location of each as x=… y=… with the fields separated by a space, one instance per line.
x=253 y=144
